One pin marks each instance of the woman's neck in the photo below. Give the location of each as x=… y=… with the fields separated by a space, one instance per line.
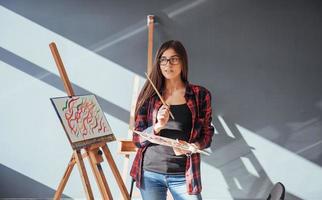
x=174 y=92
x=173 y=85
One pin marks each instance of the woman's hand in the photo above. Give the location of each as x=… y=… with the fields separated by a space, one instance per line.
x=193 y=148
x=162 y=118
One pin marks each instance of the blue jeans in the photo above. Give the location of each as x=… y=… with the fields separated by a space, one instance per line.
x=155 y=185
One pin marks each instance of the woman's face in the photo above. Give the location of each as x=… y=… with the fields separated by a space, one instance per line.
x=170 y=64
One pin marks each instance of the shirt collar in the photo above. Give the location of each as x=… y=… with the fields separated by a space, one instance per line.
x=189 y=91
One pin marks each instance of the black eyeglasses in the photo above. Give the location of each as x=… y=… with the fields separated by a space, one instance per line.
x=173 y=60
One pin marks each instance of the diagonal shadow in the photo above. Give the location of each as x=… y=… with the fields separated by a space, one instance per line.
x=24 y=187
x=55 y=81
x=231 y=151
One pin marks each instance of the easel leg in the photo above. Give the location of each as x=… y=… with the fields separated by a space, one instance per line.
x=116 y=172
x=131 y=190
x=83 y=174
x=126 y=165
x=125 y=170
x=99 y=175
x=63 y=182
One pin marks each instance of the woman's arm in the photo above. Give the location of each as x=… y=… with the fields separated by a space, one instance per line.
x=207 y=130
x=141 y=124
x=160 y=119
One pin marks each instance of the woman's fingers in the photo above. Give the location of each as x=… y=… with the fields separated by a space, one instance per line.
x=164 y=109
x=192 y=148
x=163 y=113
x=179 y=152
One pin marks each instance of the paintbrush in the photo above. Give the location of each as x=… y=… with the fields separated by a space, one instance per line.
x=156 y=90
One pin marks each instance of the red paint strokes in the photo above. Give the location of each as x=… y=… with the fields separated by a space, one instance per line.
x=83 y=117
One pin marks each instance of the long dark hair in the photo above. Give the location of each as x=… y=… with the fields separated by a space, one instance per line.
x=156 y=74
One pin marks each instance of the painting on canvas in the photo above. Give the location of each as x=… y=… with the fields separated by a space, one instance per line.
x=83 y=120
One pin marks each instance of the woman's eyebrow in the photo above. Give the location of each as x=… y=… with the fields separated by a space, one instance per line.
x=170 y=56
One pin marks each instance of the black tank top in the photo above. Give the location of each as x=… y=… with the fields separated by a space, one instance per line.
x=162 y=159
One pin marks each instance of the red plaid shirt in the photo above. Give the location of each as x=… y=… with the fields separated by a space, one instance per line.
x=199 y=102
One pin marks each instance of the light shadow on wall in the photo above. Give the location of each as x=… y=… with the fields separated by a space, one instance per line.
x=55 y=81
x=250 y=173
x=16 y=185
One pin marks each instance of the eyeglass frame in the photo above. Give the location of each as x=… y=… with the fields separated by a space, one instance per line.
x=169 y=60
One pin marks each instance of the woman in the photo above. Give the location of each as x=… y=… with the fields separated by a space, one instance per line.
x=157 y=168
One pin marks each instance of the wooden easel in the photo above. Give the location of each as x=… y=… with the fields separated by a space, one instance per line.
x=127 y=147
x=93 y=152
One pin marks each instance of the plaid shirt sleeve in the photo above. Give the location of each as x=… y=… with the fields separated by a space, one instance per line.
x=141 y=124
x=207 y=130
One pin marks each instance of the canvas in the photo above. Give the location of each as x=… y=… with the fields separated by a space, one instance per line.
x=83 y=120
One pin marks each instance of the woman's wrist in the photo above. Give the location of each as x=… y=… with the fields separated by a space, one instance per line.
x=157 y=128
